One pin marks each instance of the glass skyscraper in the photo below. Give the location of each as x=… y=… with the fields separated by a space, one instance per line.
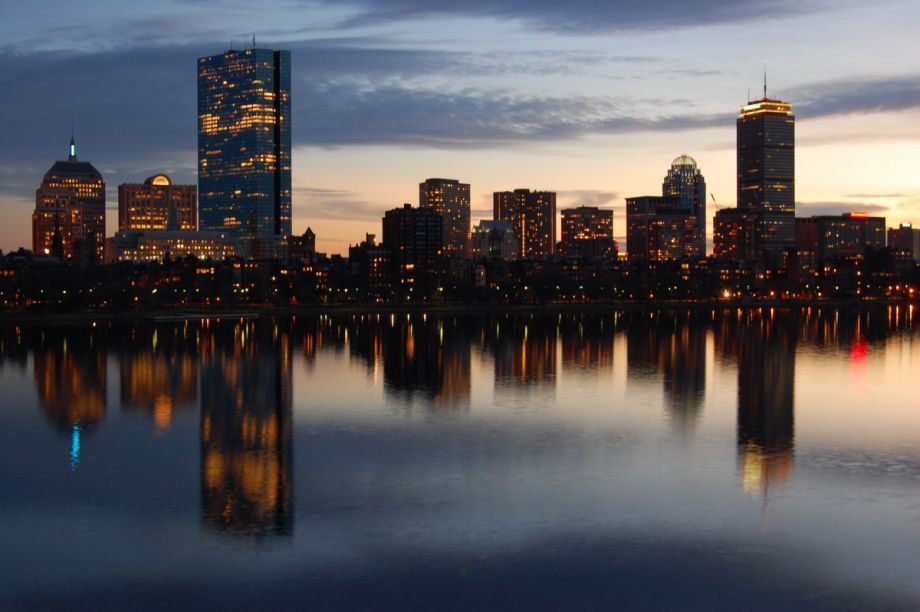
x=244 y=143
x=766 y=173
x=686 y=185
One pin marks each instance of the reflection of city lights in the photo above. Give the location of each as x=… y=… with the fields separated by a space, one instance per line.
x=75 y=447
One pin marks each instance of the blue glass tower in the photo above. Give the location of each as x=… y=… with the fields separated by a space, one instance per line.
x=244 y=143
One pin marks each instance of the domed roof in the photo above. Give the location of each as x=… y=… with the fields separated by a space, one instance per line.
x=160 y=180
x=684 y=160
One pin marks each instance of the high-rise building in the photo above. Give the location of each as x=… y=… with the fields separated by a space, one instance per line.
x=685 y=183
x=244 y=144
x=69 y=217
x=157 y=204
x=766 y=173
x=587 y=231
x=660 y=228
x=843 y=235
x=532 y=215
x=413 y=236
x=733 y=234
x=905 y=238
x=450 y=199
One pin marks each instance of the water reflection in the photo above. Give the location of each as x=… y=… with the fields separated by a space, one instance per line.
x=162 y=379
x=649 y=408
x=764 y=349
x=246 y=430
x=671 y=345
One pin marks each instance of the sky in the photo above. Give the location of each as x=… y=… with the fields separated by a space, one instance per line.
x=593 y=100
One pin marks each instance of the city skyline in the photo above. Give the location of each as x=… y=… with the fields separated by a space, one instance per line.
x=586 y=115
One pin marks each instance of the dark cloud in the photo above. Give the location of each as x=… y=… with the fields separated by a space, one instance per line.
x=579 y=15
x=857 y=95
x=837 y=208
x=135 y=108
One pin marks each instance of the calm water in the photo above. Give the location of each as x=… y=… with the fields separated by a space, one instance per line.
x=759 y=459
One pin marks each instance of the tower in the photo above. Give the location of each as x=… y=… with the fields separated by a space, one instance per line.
x=766 y=173
x=70 y=210
x=450 y=199
x=685 y=184
x=244 y=143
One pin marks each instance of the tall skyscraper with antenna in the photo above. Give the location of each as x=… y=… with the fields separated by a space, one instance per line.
x=766 y=173
x=69 y=216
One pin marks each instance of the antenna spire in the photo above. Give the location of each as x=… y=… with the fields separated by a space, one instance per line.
x=253 y=41
x=765 y=79
x=73 y=143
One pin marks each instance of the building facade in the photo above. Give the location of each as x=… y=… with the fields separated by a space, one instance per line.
x=244 y=143
x=69 y=217
x=494 y=239
x=905 y=237
x=414 y=239
x=450 y=199
x=157 y=204
x=156 y=245
x=846 y=235
x=532 y=215
x=659 y=228
x=685 y=183
x=587 y=231
x=766 y=173
x=733 y=234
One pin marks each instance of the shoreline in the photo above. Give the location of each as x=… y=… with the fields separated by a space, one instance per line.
x=251 y=312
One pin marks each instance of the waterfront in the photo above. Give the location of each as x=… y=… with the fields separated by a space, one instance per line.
x=764 y=458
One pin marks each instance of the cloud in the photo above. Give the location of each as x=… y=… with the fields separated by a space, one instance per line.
x=588 y=197
x=869 y=196
x=320 y=203
x=857 y=95
x=585 y=16
x=807 y=209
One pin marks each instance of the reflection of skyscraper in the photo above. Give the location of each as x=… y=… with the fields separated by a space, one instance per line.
x=428 y=356
x=587 y=342
x=70 y=379
x=524 y=349
x=159 y=377
x=766 y=404
x=244 y=143
x=673 y=346
x=246 y=421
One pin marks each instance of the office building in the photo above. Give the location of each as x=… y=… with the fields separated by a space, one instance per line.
x=905 y=238
x=532 y=215
x=157 y=204
x=157 y=245
x=766 y=173
x=659 y=228
x=733 y=234
x=450 y=199
x=845 y=235
x=69 y=217
x=413 y=236
x=244 y=145
x=685 y=184
x=587 y=231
